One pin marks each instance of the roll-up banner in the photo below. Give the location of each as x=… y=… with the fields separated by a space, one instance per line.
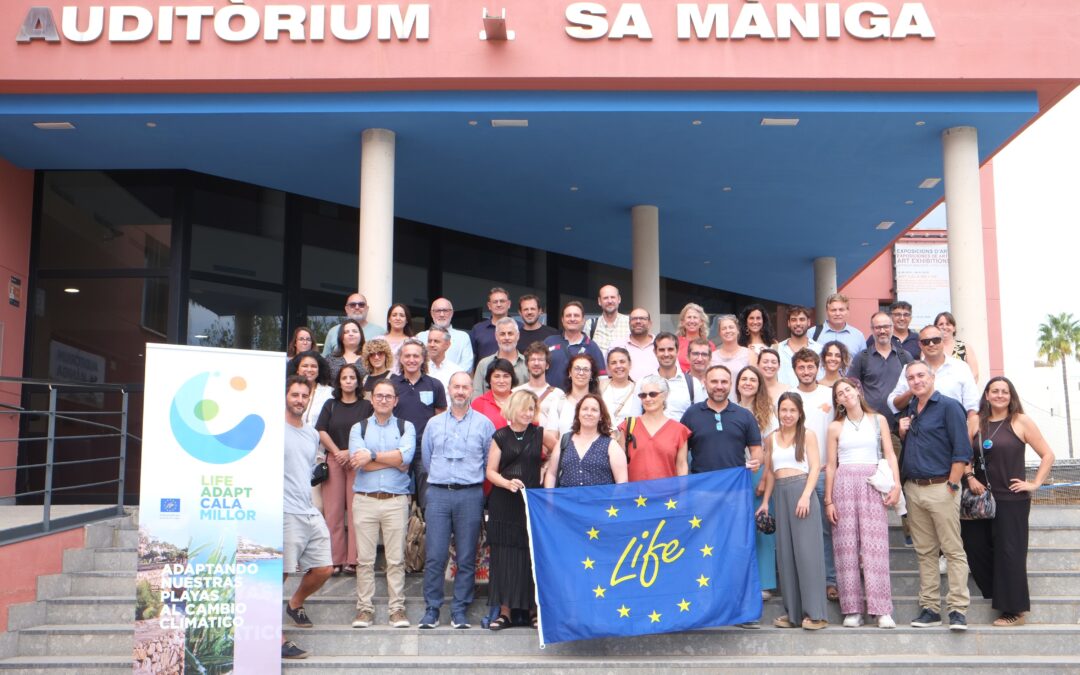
x=208 y=591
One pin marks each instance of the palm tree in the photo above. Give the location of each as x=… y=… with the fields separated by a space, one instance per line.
x=1059 y=338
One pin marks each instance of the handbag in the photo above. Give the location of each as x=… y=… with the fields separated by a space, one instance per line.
x=882 y=478
x=320 y=474
x=978 y=507
x=415 y=549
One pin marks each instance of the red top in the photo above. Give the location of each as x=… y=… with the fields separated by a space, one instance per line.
x=654 y=456
x=486 y=406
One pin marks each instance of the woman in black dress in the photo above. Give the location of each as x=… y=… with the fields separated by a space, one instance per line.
x=513 y=463
x=997 y=548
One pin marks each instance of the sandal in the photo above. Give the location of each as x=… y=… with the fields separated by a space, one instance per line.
x=349 y=570
x=1007 y=620
x=832 y=593
x=337 y=570
x=535 y=621
x=498 y=624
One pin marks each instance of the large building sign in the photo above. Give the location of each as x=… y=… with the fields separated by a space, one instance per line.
x=240 y=22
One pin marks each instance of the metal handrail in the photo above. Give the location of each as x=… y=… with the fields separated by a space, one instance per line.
x=118 y=432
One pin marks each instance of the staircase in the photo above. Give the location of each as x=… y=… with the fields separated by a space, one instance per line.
x=82 y=623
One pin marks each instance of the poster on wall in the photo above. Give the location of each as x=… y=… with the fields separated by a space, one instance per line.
x=922 y=278
x=208 y=590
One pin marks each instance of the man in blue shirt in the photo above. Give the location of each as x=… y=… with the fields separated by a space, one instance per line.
x=936 y=450
x=381 y=449
x=483 y=333
x=455 y=450
x=836 y=326
x=571 y=342
x=721 y=433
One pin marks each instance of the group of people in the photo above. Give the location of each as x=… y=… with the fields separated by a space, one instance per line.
x=462 y=422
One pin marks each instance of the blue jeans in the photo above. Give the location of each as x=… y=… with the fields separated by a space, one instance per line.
x=826 y=531
x=458 y=512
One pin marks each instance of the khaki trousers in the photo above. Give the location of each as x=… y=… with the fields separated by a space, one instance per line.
x=370 y=517
x=934 y=517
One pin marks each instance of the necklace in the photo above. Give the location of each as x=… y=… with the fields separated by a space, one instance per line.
x=989 y=442
x=519 y=437
x=856 y=424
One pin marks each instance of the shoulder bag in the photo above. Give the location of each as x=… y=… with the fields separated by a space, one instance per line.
x=978 y=507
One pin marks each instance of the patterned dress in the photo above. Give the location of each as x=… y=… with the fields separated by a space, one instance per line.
x=594 y=468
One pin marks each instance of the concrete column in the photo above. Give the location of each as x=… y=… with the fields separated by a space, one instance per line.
x=376 y=255
x=645 y=227
x=824 y=286
x=963 y=217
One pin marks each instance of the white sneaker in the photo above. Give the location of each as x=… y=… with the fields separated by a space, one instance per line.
x=853 y=621
x=885 y=621
x=942 y=566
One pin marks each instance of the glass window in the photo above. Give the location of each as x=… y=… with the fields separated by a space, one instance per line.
x=96 y=330
x=473 y=265
x=330 y=242
x=105 y=220
x=231 y=316
x=237 y=230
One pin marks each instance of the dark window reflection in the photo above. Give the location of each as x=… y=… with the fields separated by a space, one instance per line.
x=234 y=317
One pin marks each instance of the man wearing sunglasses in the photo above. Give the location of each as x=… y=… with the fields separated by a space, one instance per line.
x=356 y=308
x=721 y=432
x=952 y=377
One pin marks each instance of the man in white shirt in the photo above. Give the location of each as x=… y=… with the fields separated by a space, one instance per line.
x=439 y=365
x=459 y=346
x=610 y=328
x=551 y=398
x=683 y=389
x=952 y=377
x=836 y=326
x=799 y=324
x=818 y=408
x=640 y=345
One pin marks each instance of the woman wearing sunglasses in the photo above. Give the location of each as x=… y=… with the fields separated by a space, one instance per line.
x=656 y=445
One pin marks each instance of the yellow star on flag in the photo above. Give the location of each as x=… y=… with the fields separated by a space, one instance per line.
x=671 y=503
x=593 y=533
x=654 y=617
x=641 y=500
x=588 y=563
x=706 y=551
x=695 y=522
x=624 y=612
x=599 y=591
x=684 y=606
x=702 y=581
x=612 y=511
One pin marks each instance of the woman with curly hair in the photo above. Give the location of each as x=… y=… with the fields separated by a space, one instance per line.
x=376 y=357
x=756 y=330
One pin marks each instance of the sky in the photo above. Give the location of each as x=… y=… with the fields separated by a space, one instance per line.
x=1036 y=190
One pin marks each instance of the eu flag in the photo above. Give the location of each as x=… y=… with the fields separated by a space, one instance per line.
x=653 y=556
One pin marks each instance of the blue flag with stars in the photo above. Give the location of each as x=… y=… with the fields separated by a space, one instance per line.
x=646 y=557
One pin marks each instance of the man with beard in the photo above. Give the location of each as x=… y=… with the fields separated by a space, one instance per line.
x=798 y=323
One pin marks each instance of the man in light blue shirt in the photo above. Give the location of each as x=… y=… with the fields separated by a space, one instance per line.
x=381 y=449
x=454 y=452
x=836 y=326
x=356 y=308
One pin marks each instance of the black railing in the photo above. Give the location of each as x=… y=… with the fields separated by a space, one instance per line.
x=84 y=424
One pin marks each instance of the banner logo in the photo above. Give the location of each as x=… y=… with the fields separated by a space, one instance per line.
x=200 y=423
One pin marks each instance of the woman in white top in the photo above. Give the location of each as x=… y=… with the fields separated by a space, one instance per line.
x=857 y=511
x=793 y=463
x=730 y=353
x=618 y=390
x=582 y=378
x=769 y=365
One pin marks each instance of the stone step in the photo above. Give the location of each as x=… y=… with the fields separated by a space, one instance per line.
x=67 y=665
x=1039 y=536
x=77 y=640
x=739 y=665
x=904 y=582
x=104 y=559
x=91 y=609
x=903 y=558
x=101 y=582
x=1068 y=516
x=335 y=610
x=1058 y=640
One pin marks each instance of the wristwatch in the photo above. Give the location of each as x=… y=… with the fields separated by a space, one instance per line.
x=952 y=486
x=374 y=455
